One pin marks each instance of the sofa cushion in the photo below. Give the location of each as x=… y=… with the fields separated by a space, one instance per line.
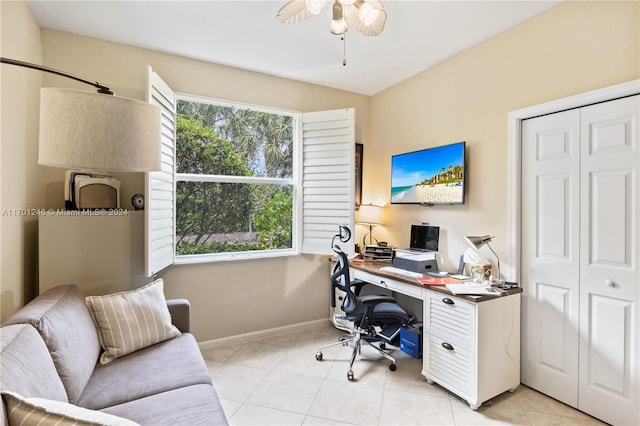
x=38 y=411
x=199 y=405
x=168 y=365
x=61 y=317
x=26 y=366
x=131 y=320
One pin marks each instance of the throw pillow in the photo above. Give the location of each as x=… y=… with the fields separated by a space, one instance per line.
x=131 y=320
x=44 y=412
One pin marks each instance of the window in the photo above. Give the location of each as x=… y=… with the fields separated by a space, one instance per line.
x=284 y=195
x=234 y=178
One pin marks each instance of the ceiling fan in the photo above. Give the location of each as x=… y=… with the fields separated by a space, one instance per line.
x=365 y=16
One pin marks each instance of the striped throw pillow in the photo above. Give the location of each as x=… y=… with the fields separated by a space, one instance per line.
x=46 y=412
x=131 y=320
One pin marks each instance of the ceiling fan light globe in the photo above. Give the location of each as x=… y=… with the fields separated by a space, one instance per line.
x=339 y=26
x=315 y=6
x=371 y=17
x=367 y=13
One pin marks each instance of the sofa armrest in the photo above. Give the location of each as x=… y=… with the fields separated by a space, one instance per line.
x=180 y=311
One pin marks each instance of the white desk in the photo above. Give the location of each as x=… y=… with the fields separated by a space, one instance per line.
x=471 y=345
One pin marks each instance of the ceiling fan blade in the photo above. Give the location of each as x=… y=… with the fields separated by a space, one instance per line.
x=373 y=29
x=293 y=11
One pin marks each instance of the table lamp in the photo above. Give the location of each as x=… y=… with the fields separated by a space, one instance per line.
x=369 y=215
x=478 y=241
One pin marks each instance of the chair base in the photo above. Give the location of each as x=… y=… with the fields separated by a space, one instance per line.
x=357 y=336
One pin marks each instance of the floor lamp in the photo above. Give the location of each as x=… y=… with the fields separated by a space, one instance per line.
x=95 y=131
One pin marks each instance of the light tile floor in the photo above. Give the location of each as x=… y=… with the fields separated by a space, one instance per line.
x=277 y=381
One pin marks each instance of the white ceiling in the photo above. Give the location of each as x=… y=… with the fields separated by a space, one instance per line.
x=245 y=34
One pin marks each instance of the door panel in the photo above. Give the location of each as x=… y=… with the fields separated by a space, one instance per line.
x=553 y=197
x=550 y=256
x=611 y=212
x=609 y=258
x=554 y=304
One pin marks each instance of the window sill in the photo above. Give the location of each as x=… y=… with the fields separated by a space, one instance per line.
x=227 y=257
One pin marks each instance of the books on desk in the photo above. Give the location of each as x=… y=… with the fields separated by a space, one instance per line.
x=473 y=289
x=430 y=280
x=398 y=271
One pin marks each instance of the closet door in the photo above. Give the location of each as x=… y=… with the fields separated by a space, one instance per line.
x=550 y=259
x=609 y=355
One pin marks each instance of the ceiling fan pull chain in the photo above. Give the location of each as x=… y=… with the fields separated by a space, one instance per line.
x=344 y=50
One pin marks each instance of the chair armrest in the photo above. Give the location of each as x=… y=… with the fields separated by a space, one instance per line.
x=356 y=286
x=180 y=311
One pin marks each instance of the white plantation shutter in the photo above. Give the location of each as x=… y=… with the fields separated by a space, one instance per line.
x=160 y=185
x=328 y=169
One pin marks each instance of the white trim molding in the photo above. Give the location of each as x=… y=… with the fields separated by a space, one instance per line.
x=514 y=171
x=264 y=334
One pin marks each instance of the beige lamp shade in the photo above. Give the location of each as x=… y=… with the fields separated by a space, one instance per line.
x=368 y=214
x=86 y=130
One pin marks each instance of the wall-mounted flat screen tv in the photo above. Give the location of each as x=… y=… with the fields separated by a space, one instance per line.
x=429 y=176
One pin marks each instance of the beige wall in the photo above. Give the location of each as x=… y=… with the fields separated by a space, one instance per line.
x=569 y=49
x=228 y=298
x=19 y=172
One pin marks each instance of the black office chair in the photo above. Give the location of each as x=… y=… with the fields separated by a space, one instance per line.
x=363 y=313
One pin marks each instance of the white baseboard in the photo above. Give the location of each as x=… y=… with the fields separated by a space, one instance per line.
x=263 y=334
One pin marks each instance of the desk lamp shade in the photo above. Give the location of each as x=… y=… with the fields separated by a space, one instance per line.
x=477 y=242
x=370 y=215
x=94 y=131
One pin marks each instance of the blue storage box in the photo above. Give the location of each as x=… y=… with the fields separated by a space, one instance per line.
x=411 y=340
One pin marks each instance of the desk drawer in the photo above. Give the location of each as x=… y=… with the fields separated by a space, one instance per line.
x=452 y=319
x=388 y=283
x=449 y=364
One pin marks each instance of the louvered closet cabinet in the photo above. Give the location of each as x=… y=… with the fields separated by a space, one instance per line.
x=472 y=349
x=580 y=257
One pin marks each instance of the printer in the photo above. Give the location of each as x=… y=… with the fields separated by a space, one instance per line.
x=423 y=248
x=416 y=261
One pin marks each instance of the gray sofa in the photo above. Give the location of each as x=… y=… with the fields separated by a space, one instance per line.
x=50 y=348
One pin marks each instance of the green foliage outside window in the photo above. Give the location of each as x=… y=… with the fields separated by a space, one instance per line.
x=220 y=217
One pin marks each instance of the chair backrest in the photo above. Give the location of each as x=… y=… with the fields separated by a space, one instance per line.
x=341 y=279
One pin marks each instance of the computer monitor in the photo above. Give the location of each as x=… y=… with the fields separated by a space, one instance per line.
x=424 y=237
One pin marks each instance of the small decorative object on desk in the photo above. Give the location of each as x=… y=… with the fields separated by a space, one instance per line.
x=480 y=273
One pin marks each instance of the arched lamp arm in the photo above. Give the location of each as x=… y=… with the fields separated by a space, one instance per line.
x=101 y=88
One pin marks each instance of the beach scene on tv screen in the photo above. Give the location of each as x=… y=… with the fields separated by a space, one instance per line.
x=430 y=176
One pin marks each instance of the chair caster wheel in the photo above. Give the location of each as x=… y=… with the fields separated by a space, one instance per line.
x=383 y=346
x=350 y=376
x=392 y=366
x=319 y=356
